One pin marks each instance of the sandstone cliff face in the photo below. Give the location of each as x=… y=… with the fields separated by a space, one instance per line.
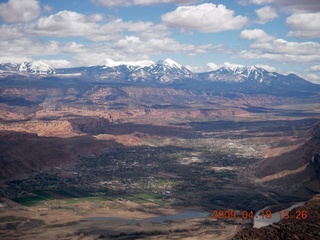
x=125 y=104
x=54 y=128
x=293 y=228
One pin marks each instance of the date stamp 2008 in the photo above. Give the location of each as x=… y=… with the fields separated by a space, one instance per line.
x=264 y=214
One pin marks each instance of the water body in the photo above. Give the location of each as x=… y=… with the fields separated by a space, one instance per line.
x=259 y=222
x=175 y=217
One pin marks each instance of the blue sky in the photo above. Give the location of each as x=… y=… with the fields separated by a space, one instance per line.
x=279 y=35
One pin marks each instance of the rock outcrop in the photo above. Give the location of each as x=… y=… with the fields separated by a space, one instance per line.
x=294 y=228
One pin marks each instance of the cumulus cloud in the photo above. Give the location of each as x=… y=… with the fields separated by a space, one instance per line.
x=257 y=2
x=288 y=5
x=299 y=6
x=255 y=34
x=314 y=78
x=271 y=48
x=14 y=59
x=127 y=3
x=8 y=33
x=132 y=48
x=266 y=67
x=26 y=47
x=92 y=27
x=116 y=39
x=232 y=65
x=206 y=17
x=210 y=66
x=63 y=24
x=19 y=11
x=47 y=8
x=304 y=25
x=315 y=68
x=57 y=63
x=283 y=51
x=266 y=14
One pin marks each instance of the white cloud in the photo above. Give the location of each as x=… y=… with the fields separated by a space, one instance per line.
x=57 y=63
x=304 y=25
x=314 y=78
x=63 y=24
x=207 y=68
x=47 y=8
x=257 y=2
x=92 y=27
x=127 y=3
x=255 y=34
x=108 y=39
x=298 y=5
x=315 y=68
x=271 y=48
x=283 y=51
x=25 y=47
x=313 y=74
x=266 y=67
x=266 y=14
x=232 y=65
x=15 y=59
x=132 y=48
x=212 y=66
x=19 y=11
x=206 y=17
x=8 y=33
x=288 y=5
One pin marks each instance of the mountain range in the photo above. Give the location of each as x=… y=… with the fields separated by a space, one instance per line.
x=168 y=72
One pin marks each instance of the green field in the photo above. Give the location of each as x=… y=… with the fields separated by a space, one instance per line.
x=67 y=195
x=72 y=196
x=44 y=195
x=29 y=201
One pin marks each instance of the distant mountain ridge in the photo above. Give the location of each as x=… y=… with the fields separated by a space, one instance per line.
x=237 y=78
x=140 y=71
x=36 y=67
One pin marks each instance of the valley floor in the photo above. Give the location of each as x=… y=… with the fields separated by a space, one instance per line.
x=72 y=158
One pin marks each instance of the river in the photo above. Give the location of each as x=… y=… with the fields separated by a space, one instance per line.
x=259 y=222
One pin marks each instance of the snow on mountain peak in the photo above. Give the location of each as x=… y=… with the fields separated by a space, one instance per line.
x=170 y=63
x=37 y=67
x=107 y=62
x=40 y=66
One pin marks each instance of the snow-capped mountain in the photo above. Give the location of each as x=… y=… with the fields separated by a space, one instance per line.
x=238 y=74
x=8 y=67
x=168 y=69
x=256 y=79
x=36 y=67
x=135 y=71
x=238 y=78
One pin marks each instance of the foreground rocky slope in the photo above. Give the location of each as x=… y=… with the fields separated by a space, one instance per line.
x=289 y=229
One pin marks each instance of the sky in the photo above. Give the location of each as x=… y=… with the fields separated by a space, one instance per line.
x=279 y=35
